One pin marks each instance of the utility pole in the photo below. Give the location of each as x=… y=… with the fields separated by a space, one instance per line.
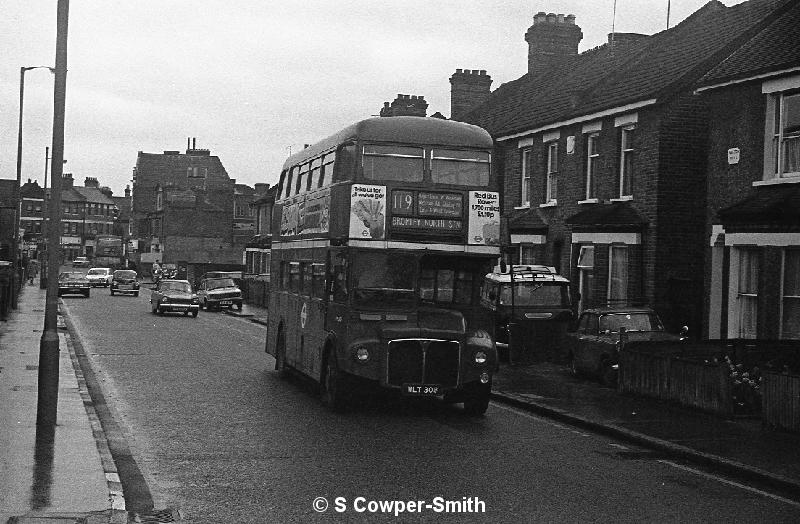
x=47 y=403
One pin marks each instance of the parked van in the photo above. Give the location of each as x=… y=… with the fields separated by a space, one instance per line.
x=538 y=311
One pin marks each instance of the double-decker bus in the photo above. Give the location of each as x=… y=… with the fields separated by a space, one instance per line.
x=108 y=252
x=383 y=233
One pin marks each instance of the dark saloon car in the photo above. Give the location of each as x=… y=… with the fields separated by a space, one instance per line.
x=216 y=293
x=73 y=283
x=174 y=295
x=594 y=346
x=125 y=281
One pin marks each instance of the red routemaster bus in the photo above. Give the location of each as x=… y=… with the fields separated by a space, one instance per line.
x=383 y=233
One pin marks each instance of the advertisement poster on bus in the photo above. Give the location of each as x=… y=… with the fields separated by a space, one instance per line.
x=314 y=212
x=484 y=218
x=289 y=218
x=368 y=212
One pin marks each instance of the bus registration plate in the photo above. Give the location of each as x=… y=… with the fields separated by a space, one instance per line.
x=421 y=390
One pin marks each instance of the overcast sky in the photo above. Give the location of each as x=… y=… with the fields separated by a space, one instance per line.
x=251 y=79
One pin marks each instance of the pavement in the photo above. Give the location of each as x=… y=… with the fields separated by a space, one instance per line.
x=65 y=475
x=70 y=477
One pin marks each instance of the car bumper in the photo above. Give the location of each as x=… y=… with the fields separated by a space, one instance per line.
x=123 y=288
x=73 y=290
x=167 y=306
x=224 y=302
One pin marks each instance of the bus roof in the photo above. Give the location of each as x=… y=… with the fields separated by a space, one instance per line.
x=401 y=129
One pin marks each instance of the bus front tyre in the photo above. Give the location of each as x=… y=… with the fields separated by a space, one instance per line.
x=280 y=354
x=334 y=385
x=476 y=399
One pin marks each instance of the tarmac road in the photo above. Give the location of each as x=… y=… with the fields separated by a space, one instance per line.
x=219 y=435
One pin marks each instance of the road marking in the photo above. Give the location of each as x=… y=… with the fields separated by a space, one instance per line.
x=731 y=483
x=539 y=419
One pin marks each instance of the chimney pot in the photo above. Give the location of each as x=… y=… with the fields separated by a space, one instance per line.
x=570 y=19
x=551 y=18
x=540 y=18
x=458 y=71
x=560 y=18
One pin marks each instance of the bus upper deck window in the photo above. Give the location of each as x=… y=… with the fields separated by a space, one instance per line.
x=393 y=163
x=463 y=168
x=314 y=177
x=302 y=179
x=326 y=175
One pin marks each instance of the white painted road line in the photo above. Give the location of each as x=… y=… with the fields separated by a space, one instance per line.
x=731 y=483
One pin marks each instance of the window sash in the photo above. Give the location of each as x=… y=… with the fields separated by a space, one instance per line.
x=626 y=161
x=526 y=178
x=552 y=171
x=592 y=159
x=747 y=295
x=790 y=306
x=618 y=275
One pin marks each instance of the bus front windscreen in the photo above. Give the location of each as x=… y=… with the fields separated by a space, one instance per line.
x=536 y=294
x=384 y=279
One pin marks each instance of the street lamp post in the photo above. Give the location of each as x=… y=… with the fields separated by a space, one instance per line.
x=47 y=403
x=15 y=256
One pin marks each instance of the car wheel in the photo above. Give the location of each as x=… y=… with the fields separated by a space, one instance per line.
x=239 y=306
x=185 y=313
x=86 y=294
x=112 y=292
x=334 y=385
x=159 y=310
x=136 y=293
x=204 y=305
x=476 y=401
x=194 y=313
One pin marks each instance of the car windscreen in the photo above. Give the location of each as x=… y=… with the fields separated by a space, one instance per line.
x=125 y=274
x=183 y=287
x=71 y=276
x=97 y=272
x=384 y=279
x=536 y=294
x=219 y=283
x=644 y=321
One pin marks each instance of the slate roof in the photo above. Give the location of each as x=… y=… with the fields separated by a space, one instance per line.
x=93 y=194
x=769 y=205
x=615 y=215
x=775 y=48
x=596 y=80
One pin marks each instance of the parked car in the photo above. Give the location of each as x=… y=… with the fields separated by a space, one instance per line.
x=174 y=295
x=593 y=348
x=73 y=283
x=216 y=293
x=125 y=281
x=81 y=262
x=99 y=276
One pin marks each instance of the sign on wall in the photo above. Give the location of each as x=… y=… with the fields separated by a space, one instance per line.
x=368 y=212
x=484 y=218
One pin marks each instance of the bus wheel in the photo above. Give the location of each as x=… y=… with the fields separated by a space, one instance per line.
x=476 y=400
x=280 y=353
x=334 y=387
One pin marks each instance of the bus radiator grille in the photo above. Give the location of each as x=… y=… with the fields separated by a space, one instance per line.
x=423 y=362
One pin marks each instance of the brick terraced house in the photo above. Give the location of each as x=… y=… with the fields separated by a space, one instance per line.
x=753 y=230
x=603 y=153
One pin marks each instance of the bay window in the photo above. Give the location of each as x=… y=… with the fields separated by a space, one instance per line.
x=790 y=311
x=747 y=296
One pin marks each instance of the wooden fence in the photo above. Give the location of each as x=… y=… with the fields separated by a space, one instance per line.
x=780 y=395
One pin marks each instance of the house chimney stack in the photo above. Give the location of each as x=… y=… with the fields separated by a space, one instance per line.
x=551 y=38
x=405 y=105
x=468 y=90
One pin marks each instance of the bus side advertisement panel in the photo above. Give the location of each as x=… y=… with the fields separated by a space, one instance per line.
x=484 y=218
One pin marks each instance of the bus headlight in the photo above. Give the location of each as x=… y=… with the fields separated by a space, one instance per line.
x=480 y=357
x=361 y=354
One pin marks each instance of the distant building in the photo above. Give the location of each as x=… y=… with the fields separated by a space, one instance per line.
x=86 y=212
x=258 y=250
x=182 y=210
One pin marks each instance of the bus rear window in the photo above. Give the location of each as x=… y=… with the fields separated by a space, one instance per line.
x=536 y=294
x=462 y=168
x=393 y=163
